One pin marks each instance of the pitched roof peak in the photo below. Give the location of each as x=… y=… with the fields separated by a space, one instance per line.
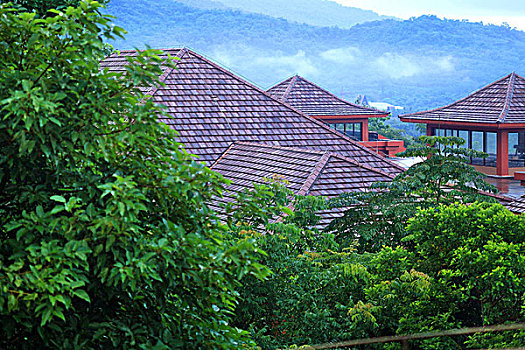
x=290 y=87
x=314 y=100
x=508 y=98
x=501 y=102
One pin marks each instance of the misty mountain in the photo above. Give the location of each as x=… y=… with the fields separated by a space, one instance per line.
x=420 y=63
x=324 y=13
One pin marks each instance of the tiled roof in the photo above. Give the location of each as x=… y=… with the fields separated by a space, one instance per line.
x=308 y=172
x=517 y=206
x=211 y=108
x=313 y=100
x=500 y=102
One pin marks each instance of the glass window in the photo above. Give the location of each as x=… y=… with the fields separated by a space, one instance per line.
x=492 y=141
x=358 y=131
x=513 y=143
x=477 y=140
x=465 y=136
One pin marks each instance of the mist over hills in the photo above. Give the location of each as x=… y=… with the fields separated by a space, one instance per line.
x=419 y=63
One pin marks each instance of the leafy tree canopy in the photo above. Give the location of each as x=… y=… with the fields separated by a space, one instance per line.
x=41 y=7
x=106 y=240
x=379 y=217
x=461 y=267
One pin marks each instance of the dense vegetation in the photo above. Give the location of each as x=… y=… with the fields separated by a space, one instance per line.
x=42 y=7
x=457 y=266
x=107 y=240
x=418 y=63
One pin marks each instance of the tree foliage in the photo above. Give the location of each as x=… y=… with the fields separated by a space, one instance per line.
x=312 y=285
x=381 y=126
x=106 y=240
x=379 y=217
x=42 y=7
x=461 y=267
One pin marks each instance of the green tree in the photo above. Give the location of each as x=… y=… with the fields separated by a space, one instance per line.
x=312 y=286
x=106 y=240
x=463 y=268
x=41 y=7
x=379 y=217
x=388 y=131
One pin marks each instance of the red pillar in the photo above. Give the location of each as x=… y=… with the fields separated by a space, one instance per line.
x=429 y=130
x=502 y=160
x=364 y=130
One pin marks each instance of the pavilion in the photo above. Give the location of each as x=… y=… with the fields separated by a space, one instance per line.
x=491 y=120
x=346 y=117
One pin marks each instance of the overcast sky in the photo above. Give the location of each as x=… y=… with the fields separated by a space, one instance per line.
x=488 y=11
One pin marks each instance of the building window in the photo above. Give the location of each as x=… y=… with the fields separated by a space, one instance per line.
x=352 y=130
x=517 y=149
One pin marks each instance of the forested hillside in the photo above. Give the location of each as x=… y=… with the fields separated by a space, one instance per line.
x=326 y=13
x=419 y=63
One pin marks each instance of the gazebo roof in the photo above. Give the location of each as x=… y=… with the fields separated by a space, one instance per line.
x=502 y=102
x=313 y=100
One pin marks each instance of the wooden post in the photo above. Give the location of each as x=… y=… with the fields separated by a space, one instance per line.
x=502 y=160
x=364 y=130
x=429 y=130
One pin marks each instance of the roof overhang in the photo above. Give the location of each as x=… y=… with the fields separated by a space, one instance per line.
x=468 y=125
x=352 y=117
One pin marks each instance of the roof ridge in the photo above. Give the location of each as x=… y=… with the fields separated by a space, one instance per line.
x=279 y=147
x=508 y=98
x=371 y=109
x=289 y=88
x=314 y=175
x=458 y=101
x=222 y=155
x=365 y=166
x=166 y=73
x=311 y=151
x=313 y=120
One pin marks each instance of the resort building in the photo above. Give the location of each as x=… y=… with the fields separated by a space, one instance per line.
x=491 y=120
x=246 y=134
x=211 y=108
x=343 y=116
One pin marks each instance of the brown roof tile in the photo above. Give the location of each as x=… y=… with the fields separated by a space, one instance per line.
x=500 y=102
x=308 y=172
x=211 y=108
x=313 y=100
x=517 y=206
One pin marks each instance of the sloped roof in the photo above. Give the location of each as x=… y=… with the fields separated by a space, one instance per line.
x=517 y=206
x=313 y=100
x=211 y=108
x=502 y=102
x=308 y=172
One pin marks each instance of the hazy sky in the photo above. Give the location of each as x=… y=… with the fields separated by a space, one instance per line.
x=488 y=11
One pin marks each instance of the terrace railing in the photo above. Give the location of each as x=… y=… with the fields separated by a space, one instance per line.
x=405 y=339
